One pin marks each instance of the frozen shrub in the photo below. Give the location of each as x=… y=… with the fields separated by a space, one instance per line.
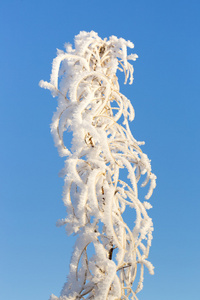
x=91 y=106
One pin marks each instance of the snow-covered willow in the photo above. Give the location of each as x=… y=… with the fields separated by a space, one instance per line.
x=109 y=257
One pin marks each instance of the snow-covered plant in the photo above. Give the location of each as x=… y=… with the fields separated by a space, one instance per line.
x=108 y=257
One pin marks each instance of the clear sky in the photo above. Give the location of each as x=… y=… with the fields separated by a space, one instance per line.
x=34 y=254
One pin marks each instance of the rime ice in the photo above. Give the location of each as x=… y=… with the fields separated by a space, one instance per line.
x=91 y=106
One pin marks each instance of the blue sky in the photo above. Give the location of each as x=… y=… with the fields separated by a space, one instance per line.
x=34 y=254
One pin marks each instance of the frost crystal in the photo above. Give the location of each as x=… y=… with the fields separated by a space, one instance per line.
x=91 y=106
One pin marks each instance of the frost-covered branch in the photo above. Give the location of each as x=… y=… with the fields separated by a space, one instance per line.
x=107 y=253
